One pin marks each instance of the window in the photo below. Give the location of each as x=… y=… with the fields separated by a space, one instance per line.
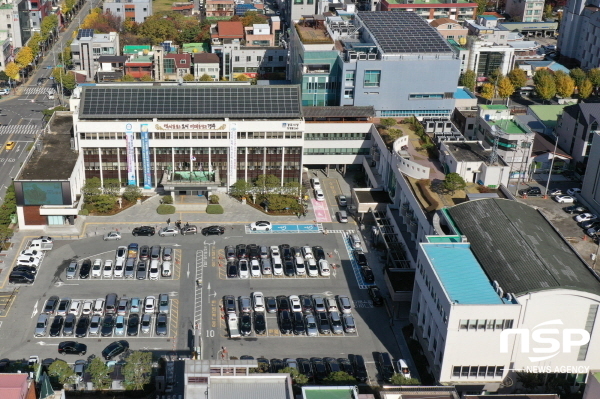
x=248 y=58
x=145 y=9
x=281 y=58
x=350 y=78
x=236 y=58
x=270 y=58
x=182 y=61
x=449 y=27
x=258 y=58
x=429 y=96
x=349 y=93
x=372 y=78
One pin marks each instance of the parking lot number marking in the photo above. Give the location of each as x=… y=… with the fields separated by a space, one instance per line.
x=210 y=333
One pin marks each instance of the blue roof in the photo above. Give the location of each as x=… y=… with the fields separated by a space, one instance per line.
x=460 y=274
x=462 y=94
x=490 y=17
x=552 y=65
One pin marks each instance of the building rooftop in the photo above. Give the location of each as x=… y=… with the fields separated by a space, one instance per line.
x=470 y=152
x=440 y=21
x=431 y=3
x=399 y=32
x=112 y=58
x=460 y=274
x=333 y=111
x=551 y=65
x=366 y=196
x=206 y=58
x=493 y=106
x=141 y=59
x=339 y=392
x=202 y=101
x=528 y=25
x=463 y=94
x=56 y=160
x=11 y=385
x=230 y=29
x=249 y=388
x=548 y=114
x=195 y=47
x=135 y=49
x=508 y=126
x=541 y=146
x=517 y=246
x=585 y=113
x=312 y=35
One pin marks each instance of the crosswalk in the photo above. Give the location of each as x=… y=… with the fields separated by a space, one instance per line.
x=39 y=90
x=20 y=129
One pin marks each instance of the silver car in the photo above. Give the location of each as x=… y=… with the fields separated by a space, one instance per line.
x=120 y=326
x=95 y=325
x=349 y=323
x=130 y=268
x=336 y=322
x=63 y=307
x=163 y=303
x=42 y=325
x=311 y=326
x=161 y=324
x=168 y=231
x=146 y=324
x=112 y=236
x=71 y=270
x=245 y=304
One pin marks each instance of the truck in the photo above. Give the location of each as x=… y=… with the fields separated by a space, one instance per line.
x=41 y=244
x=232 y=324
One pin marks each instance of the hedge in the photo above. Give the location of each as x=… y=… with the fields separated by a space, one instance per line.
x=424 y=187
x=214 y=209
x=165 y=209
x=84 y=212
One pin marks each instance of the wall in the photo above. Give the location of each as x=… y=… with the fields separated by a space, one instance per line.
x=590 y=191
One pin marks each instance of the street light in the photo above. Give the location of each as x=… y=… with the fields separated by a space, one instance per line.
x=552 y=165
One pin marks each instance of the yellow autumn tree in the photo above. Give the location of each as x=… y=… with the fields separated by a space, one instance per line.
x=12 y=70
x=24 y=57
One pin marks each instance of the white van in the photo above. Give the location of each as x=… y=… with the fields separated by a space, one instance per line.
x=324 y=266
x=355 y=241
x=403 y=368
x=166 y=268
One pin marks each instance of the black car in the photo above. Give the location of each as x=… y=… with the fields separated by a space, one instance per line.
x=296 y=252
x=305 y=367
x=213 y=231
x=276 y=365
x=107 y=326
x=51 y=304
x=264 y=365
x=245 y=324
x=114 y=349
x=346 y=366
x=82 y=326
x=253 y=251
x=144 y=252
x=386 y=367
x=367 y=273
x=283 y=303
x=288 y=268
x=332 y=365
x=531 y=192
x=286 y=251
x=69 y=324
x=140 y=274
x=84 y=271
x=25 y=269
x=144 y=231
x=299 y=326
x=307 y=304
x=229 y=304
x=72 y=348
x=588 y=224
x=133 y=325
x=21 y=278
x=319 y=369
x=285 y=322
x=360 y=257
x=323 y=323
x=232 y=271
x=576 y=209
x=242 y=251
x=360 y=368
x=318 y=253
x=56 y=326
x=376 y=296
x=271 y=304
x=260 y=324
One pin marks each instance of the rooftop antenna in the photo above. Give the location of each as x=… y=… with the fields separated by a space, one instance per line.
x=494 y=153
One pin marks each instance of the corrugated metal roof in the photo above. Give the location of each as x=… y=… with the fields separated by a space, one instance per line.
x=323 y=112
x=230 y=388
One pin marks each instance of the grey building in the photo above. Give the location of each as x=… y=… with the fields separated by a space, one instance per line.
x=590 y=191
x=575 y=132
x=579 y=30
x=88 y=47
x=129 y=10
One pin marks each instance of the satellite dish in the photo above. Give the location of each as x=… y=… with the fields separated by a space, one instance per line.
x=508 y=382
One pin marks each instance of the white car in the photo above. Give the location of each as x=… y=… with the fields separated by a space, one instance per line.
x=295 y=303
x=573 y=191
x=319 y=196
x=99 y=306
x=307 y=252
x=166 y=268
x=255 y=268
x=150 y=304
x=32 y=253
x=564 y=199
x=119 y=268
x=153 y=271
x=121 y=253
x=243 y=268
x=277 y=266
x=261 y=225
x=75 y=307
x=275 y=251
x=324 y=267
x=87 y=307
x=4 y=92
x=112 y=236
x=108 y=269
x=168 y=231
x=258 y=300
x=28 y=261
x=316 y=183
x=584 y=217
x=97 y=268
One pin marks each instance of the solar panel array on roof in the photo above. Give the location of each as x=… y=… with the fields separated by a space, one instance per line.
x=191 y=102
x=85 y=33
x=403 y=32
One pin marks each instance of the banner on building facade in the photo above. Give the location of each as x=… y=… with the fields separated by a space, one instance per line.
x=130 y=155
x=232 y=169
x=146 y=156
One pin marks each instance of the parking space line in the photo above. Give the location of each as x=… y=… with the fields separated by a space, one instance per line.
x=173 y=318
x=177 y=265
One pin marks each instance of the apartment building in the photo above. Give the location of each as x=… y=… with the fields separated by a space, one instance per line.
x=88 y=47
x=525 y=10
x=129 y=10
x=433 y=9
x=579 y=30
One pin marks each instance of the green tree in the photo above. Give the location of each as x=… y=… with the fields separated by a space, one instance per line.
x=399 y=379
x=565 y=86
x=132 y=193
x=387 y=122
x=252 y=17
x=66 y=57
x=214 y=199
x=267 y=182
x=578 y=75
x=158 y=29
x=206 y=78
x=188 y=77
x=62 y=371
x=5 y=233
x=297 y=377
x=104 y=203
x=339 y=378
x=137 y=370
x=593 y=76
x=505 y=88
x=546 y=87
x=454 y=182
x=530 y=381
x=481 y=5
x=240 y=188
x=487 y=91
x=278 y=202
x=548 y=11
x=495 y=77
x=91 y=189
x=34 y=43
x=65 y=79
x=48 y=26
x=518 y=77
x=293 y=188
x=146 y=78
x=468 y=79
x=99 y=374
x=48 y=112
x=112 y=187
x=127 y=78
x=167 y=199
x=586 y=88
x=539 y=74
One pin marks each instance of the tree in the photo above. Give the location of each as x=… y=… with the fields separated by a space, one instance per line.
x=481 y=5
x=339 y=378
x=146 y=78
x=530 y=381
x=578 y=75
x=206 y=78
x=91 y=189
x=539 y=74
x=399 y=379
x=65 y=79
x=297 y=377
x=104 y=203
x=112 y=187
x=132 y=193
x=518 y=77
x=188 y=77
x=12 y=70
x=468 y=79
x=593 y=76
x=62 y=371
x=48 y=112
x=454 y=182
x=293 y=188
x=548 y=11
x=66 y=57
x=49 y=24
x=278 y=202
x=586 y=88
x=495 y=76
x=565 y=86
x=487 y=91
x=242 y=78
x=252 y=17
x=34 y=43
x=5 y=233
x=545 y=87
x=387 y=122
x=137 y=370
x=158 y=29
x=240 y=188
x=505 y=88
x=267 y=182
x=99 y=374
x=127 y=78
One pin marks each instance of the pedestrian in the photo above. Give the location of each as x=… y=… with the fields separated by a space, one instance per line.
x=168 y=221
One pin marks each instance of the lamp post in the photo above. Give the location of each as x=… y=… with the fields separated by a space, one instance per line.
x=551 y=166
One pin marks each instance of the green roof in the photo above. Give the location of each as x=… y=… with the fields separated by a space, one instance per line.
x=328 y=393
x=548 y=114
x=508 y=126
x=426 y=2
x=141 y=58
x=597 y=376
x=493 y=106
x=135 y=49
x=199 y=47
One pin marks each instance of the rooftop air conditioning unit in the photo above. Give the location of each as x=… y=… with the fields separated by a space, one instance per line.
x=362 y=56
x=372 y=56
x=352 y=56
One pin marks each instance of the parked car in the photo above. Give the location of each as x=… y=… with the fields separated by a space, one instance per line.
x=148 y=231
x=245 y=324
x=229 y=304
x=168 y=231
x=349 y=323
x=41 y=326
x=258 y=301
x=376 y=296
x=311 y=326
x=146 y=324
x=21 y=277
x=167 y=253
x=360 y=368
x=86 y=266
x=189 y=229
x=285 y=322
x=295 y=304
x=123 y=307
x=81 y=329
x=277 y=265
x=56 y=326
x=245 y=304
x=573 y=191
x=266 y=266
x=108 y=325
x=305 y=367
x=72 y=348
x=275 y=251
x=241 y=251
x=324 y=268
x=271 y=304
x=555 y=191
x=166 y=268
x=25 y=269
x=121 y=254
x=335 y=321
x=319 y=303
x=575 y=209
x=386 y=367
x=72 y=270
x=163 y=303
x=360 y=257
x=318 y=252
x=69 y=325
x=319 y=195
x=323 y=323
x=133 y=325
x=531 y=192
x=153 y=272
x=260 y=324
x=63 y=306
x=564 y=199
x=120 y=326
x=367 y=274
x=253 y=251
x=99 y=306
x=95 y=325
x=51 y=305
x=114 y=349
x=150 y=304
x=261 y=225
x=332 y=365
x=288 y=268
x=298 y=321
x=318 y=368
x=243 y=268
x=161 y=324
x=140 y=273
x=232 y=271
x=584 y=217
x=344 y=304
x=75 y=307
x=307 y=304
x=144 y=253
x=342 y=200
x=255 y=268
x=134 y=305
x=213 y=230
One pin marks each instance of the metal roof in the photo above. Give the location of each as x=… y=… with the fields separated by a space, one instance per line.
x=210 y=101
x=520 y=249
x=323 y=112
x=242 y=388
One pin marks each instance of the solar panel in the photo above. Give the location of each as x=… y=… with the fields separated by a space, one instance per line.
x=85 y=33
x=191 y=102
x=403 y=32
